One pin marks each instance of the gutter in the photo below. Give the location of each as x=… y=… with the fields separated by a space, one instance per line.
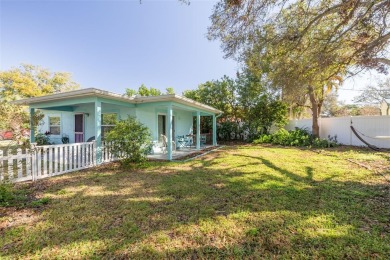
x=106 y=94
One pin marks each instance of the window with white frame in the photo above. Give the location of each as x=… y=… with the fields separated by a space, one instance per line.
x=55 y=125
x=108 y=122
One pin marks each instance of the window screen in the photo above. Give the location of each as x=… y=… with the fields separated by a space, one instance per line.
x=55 y=125
x=108 y=122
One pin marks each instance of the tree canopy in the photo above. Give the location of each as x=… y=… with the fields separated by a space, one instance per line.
x=374 y=94
x=145 y=91
x=304 y=48
x=250 y=107
x=27 y=81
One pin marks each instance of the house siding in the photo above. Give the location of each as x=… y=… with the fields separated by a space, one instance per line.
x=67 y=120
x=184 y=122
x=147 y=115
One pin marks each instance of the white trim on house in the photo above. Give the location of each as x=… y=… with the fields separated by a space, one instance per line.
x=106 y=94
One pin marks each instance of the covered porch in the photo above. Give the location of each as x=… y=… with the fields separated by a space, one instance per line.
x=80 y=120
x=174 y=121
x=182 y=153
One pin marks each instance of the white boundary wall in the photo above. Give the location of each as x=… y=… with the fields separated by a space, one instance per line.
x=368 y=127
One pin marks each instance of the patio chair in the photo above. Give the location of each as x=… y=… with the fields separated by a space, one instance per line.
x=189 y=141
x=181 y=141
x=203 y=140
x=165 y=144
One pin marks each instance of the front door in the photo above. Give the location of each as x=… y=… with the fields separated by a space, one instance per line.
x=79 y=128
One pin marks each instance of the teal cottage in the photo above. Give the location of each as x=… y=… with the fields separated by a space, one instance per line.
x=87 y=114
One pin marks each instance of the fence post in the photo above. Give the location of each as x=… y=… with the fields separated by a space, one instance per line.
x=19 y=162
x=2 y=170
x=34 y=162
x=94 y=151
x=10 y=168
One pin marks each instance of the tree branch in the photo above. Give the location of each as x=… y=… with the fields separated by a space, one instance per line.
x=382 y=60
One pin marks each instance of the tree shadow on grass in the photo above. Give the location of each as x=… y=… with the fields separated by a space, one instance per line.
x=205 y=212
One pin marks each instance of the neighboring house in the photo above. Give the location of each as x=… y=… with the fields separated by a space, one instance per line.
x=88 y=114
x=385 y=107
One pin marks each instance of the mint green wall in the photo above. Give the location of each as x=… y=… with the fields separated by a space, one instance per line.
x=147 y=116
x=67 y=120
x=183 y=122
x=145 y=113
x=67 y=125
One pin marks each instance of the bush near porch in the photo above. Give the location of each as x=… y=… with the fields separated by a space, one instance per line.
x=240 y=202
x=130 y=140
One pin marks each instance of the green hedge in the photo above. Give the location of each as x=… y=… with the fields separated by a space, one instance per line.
x=298 y=137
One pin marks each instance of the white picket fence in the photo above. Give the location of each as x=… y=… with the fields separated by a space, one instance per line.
x=45 y=161
x=107 y=155
x=373 y=129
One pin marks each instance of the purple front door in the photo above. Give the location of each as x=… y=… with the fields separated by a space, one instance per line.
x=79 y=128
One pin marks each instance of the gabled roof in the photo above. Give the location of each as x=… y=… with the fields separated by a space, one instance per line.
x=93 y=92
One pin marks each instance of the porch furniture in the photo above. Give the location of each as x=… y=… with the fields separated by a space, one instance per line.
x=165 y=144
x=203 y=139
x=184 y=141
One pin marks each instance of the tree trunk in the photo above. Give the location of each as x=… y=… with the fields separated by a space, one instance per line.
x=315 y=108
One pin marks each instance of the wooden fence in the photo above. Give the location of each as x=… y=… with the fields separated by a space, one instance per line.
x=46 y=161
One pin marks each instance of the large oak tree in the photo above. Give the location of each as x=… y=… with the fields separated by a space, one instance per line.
x=305 y=47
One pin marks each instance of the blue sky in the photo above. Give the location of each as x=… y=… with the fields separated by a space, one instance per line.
x=115 y=45
x=121 y=44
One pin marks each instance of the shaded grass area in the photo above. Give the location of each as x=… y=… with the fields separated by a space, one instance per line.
x=243 y=201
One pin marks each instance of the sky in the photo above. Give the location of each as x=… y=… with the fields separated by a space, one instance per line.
x=114 y=45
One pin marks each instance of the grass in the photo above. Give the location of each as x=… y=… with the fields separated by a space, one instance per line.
x=239 y=202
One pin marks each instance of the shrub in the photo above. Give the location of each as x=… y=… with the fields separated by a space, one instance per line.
x=42 y=139
x=130 y=140
x=228 y=130
x=298 y=137
x=10 y=197
x=39 y=203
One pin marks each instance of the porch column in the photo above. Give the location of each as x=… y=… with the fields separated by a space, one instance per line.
x=98 y=131
x=32 y=128
x=169 y=132
x=198 y=130
x=214 y=130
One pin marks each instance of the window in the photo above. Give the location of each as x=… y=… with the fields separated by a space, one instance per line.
x=55 y=125
x=108 y=123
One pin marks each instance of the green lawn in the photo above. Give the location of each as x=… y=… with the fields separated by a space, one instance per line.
x=242 y=201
